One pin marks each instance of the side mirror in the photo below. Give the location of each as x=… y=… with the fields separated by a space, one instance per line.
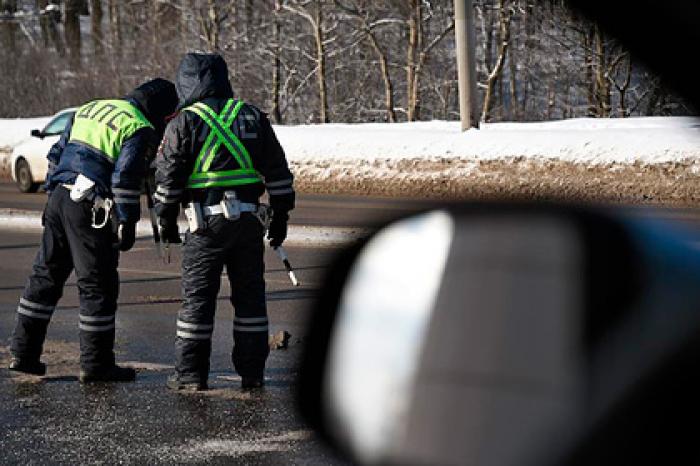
x=37 y=134
x=508 y=335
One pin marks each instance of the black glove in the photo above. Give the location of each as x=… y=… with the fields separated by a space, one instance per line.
x=126 y=236
x=169 y=231
x=278 y=229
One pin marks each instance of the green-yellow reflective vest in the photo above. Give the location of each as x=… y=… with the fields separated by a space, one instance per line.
x=220 y=134
x=104 y=125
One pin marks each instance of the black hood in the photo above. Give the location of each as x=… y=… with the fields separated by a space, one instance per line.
x=200 y=76
x=156 y=99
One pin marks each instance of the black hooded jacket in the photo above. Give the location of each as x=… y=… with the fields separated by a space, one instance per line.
x=156 y=99
x=204 y=78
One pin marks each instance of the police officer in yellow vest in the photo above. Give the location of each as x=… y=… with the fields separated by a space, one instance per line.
x=218 y=157
x=96 y=171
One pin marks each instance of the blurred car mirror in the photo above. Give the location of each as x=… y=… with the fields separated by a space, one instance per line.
x=37 y=133
x=498 y=335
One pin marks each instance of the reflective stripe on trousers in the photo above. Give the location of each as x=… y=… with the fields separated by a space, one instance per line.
x=34 y=310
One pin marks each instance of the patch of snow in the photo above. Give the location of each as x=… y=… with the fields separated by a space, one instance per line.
x=203 y=450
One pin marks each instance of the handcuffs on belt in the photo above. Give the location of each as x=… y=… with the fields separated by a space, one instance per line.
x=84 y=188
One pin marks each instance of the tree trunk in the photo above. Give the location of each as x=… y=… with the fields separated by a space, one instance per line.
x=386 y=77
x=40 y=5
x=96 y=27
x=551 y=99
x=602 y=83
x=71 y=30
x=321 y=64
x=276 y=71
x=529 y=25
x=248 y=7
x=213 y=32
x=623 y=90
x=513 y=87
x=505 y=19
x=588 y=44
x=115 y=29
x=155 y=36
x=411 y=58
x=9 y=28
x=49 y=30
x=185 y=36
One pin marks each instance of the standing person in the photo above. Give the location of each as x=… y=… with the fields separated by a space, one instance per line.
x=218 y=156
x=98 y=164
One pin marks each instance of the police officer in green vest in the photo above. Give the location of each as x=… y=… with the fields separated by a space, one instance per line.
x=218 y=157
x=96 y=171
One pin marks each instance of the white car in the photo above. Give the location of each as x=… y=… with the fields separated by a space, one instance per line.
x=29 y=163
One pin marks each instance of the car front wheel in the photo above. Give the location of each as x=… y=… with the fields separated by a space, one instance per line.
x=23 y=174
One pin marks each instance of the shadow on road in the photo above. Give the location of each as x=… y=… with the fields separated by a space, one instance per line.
x=19 y=246
x=123 y=282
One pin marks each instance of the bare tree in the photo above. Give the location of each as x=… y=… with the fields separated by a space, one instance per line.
x=505 y=14
x=312 y=12
x=368 y=27
x=346 y=60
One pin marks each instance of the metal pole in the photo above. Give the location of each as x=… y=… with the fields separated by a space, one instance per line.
x=466 y=63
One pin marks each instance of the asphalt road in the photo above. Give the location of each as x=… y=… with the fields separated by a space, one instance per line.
x=353 y=211
x=56 y=420
x=322 y=210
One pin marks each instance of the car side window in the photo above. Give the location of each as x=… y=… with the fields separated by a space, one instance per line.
x=58 y=124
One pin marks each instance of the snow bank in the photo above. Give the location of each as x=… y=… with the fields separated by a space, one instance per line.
x=653 y=159
x=634 y=160
x=583 y=140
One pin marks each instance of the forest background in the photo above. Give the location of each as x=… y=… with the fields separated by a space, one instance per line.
x=321 y=61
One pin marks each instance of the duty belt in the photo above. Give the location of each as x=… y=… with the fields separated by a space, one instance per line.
x=218 y=210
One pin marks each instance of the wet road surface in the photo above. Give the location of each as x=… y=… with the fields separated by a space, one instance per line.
x=311 y=209
x=56 y=420
x=353 y=211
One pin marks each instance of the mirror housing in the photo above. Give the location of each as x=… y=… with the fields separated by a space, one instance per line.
x=37 y=133
x=548 y=325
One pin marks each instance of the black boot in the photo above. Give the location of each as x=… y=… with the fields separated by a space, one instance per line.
x=28 y=367
x=186 y=382
x=248 y=383
x=110 y=374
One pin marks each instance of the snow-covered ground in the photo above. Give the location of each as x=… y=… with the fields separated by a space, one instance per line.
x=653 y=158
x=583 y=140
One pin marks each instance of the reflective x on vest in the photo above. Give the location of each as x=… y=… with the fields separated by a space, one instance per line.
x=220 y=134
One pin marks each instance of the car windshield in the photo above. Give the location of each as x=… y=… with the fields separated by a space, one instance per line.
x=58 y=124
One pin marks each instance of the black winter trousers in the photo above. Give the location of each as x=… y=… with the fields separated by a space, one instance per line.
x=70 y=243
x=237 y=245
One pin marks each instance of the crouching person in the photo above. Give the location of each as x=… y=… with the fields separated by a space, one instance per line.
x=96 y=170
